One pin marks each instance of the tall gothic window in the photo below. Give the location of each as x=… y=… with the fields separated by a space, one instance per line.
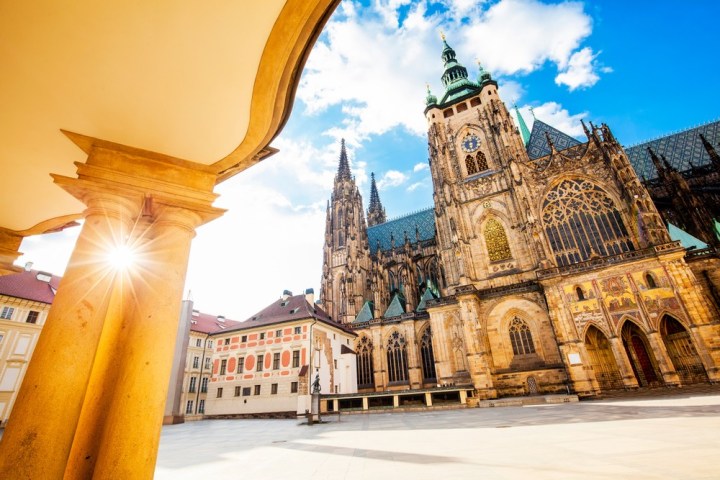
x=365 y=363
x=397 y=358
x=581 y=221
x=470 y=165
x=427 y=357
x=496 y=241
x=521 y=338
x=482 y=162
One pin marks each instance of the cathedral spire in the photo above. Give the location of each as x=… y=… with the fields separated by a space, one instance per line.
x=344 y=166
x=658 y=164
x=376 y=212
x=524 y=131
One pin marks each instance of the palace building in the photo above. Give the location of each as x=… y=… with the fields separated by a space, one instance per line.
x=543 y=267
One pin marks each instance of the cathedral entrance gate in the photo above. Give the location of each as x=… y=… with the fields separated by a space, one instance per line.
x=641 y=360
x=602 y=360
x=682 y=352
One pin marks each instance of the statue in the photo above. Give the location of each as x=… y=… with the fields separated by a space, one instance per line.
x=316 y=384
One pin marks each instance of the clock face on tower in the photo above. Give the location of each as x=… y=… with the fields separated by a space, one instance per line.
x=470 y=143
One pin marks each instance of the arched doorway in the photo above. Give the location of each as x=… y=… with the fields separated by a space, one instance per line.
x=640 y=355
x=602 y=360
x=682 y=352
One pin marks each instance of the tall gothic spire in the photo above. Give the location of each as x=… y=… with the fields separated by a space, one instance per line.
x=524 y=131
x=343 y=172
x=376 y=212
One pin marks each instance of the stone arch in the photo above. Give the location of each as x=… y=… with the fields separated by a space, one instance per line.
x=601 y=357
x=640 y=353
x=498 y=323
x=583 y=220
x=681 y=350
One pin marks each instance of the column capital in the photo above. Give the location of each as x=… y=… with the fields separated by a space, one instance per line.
x=9 y=251
x=119 y=177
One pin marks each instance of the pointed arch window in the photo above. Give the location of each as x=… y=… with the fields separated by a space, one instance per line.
x=650 y=280
x=521 y=338
x=581 y=221
x=496 y=241
x=397 y=358
x=365 y=377
x=580 y=294
x=482 y=162
x=470 y=165
x=427 y=356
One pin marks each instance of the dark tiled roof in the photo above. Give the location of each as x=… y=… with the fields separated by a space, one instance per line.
x=538 y=146
x=680 y=149
x=345 y=349
x=206 y=323
x=423 y=221
x=293 y=308
x=28 y=286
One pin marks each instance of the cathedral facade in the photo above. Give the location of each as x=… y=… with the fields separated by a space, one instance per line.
x=544 y=266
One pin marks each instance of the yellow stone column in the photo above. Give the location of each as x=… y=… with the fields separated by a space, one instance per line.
x=40 y=431
x=92 y=402
x=623 y=362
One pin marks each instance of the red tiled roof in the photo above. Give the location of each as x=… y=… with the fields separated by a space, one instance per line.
x=206 y=323
x=293 y=308
x=26 y=285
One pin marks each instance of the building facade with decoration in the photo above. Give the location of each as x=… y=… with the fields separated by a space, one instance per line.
x=267 y=364
x=543 y=267
x=25 y=300
x=197 y=363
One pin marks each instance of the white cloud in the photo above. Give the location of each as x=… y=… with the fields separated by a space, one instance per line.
x=580 y=71
x=516 y=36
x=415 y=186
x=392 y=178
x=373 y=64
x=420 y=167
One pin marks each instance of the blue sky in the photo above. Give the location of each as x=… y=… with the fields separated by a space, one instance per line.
x=644 y=68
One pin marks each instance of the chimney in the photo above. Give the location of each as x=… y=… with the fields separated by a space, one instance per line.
x=310 y=296
x=28 y=266
x=286 y=294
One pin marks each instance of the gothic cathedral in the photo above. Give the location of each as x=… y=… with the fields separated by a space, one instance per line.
x=544 y=266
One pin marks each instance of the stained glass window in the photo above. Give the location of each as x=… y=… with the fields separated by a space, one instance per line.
x=521 y=338
x=364 y=363
x=581 y=221
x=397 y=358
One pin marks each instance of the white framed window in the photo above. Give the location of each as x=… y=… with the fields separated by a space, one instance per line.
x=7 y=313
x=189 y=407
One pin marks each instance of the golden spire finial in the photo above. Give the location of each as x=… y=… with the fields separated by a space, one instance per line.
x=442 y=35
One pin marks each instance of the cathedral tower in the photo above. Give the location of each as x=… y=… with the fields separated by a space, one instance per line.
x=473 y=143
x=346 y=255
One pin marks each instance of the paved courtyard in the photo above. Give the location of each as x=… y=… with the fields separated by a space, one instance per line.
x=664 y=438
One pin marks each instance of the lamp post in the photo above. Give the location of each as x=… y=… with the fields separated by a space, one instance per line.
x=316 y=383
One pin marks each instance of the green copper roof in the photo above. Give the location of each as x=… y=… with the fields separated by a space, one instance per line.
x=687 y=240
x=365 y=314
x=395 y=309
x=524 y=131
x=427 y=295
